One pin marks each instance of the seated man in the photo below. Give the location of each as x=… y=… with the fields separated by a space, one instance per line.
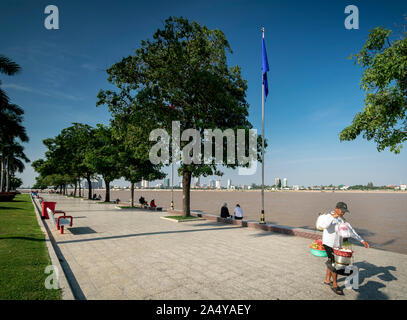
x=142 y=201
x=152 y=204
x=117 y=201
x=224 y=211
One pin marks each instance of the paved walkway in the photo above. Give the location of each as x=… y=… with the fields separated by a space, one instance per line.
x=121 y=254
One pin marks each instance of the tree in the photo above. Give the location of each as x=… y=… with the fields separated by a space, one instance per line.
x=384 y=116
x=181 y=75
x=65 y=159
x=13 y=157
x=103 y=156
x=8 y=67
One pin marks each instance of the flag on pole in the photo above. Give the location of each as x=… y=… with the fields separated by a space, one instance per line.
x=265 y=67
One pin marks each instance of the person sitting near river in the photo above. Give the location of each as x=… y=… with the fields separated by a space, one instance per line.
x=142 y=201
x=238 y=213
x=94 y=196
x=152 y=204
x=224 y=211
x=117 y=201
x=99 y=197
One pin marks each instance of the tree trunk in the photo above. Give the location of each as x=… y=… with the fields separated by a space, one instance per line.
x=132 y=193
x=2 y=176
x=76 y=186
x=186 y=193
x=89 y=187
x=107 y=196
x=60 y=189
x=80 y=188
x=8 y=176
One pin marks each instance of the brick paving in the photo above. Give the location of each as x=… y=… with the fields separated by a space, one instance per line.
x=125 y=254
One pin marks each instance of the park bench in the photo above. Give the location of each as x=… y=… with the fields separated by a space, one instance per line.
x=61 y=221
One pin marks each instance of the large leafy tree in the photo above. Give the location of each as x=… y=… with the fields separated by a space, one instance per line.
x=65 y=160
x=384 y=115
x=181 y=75
x=103 y=156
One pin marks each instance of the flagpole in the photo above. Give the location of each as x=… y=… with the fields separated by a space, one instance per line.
x=172 y=185
x=262 y=221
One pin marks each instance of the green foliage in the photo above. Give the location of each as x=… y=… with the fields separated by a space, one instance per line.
x=181 y=74
x=384 y=116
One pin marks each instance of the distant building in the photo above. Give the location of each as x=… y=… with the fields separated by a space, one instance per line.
x=212 y=183
x=166 y=183
x=229 y=184
x=218 y=184
x=403 y=187
x=95 y=183
x=277 y=183
x=296 y=187
x=144 y=184
x=197 y=182
x=285 y=183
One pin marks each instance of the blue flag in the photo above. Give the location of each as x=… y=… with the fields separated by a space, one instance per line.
x=265 y=68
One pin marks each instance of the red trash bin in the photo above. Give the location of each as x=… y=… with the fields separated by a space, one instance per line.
x=45 y=205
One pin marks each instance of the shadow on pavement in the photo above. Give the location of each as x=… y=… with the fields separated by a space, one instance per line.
x=370 y=290
x=144 y=234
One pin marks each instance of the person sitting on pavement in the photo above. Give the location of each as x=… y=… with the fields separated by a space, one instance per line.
x=331 y=239
x=117 y=201
x=99 y=197
x=238 y=213
x=152 y=204
x=224 y=211
x=142 y=201
x=94 y=196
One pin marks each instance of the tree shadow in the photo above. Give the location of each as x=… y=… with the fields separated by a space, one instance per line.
x=370 y=290
x=22 y=238
x=9 y=208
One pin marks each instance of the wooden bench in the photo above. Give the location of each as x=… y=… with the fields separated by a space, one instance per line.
x=61 y=221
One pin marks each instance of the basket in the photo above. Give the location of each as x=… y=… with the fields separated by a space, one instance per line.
x=340 y=252
x=318 y=253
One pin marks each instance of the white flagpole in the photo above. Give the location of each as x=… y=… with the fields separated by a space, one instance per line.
x=172 y=185
x=262 y=221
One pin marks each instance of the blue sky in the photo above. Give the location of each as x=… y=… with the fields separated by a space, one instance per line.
x=314 y=90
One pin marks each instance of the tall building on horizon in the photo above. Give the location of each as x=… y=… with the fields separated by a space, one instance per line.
x=144 y=184
x=277 y=182
x=218 y=184
x=166 y=183
x=285 y=183
x=229 y=183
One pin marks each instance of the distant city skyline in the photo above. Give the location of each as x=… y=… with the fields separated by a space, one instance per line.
x=314 y=89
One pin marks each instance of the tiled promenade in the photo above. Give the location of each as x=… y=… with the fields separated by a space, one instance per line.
x=121 y=254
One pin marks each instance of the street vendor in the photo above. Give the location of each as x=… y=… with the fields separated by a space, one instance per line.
x=334 y=224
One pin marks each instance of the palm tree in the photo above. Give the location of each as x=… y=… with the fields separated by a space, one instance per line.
x=11 y=128
x=9 y=67
x=12 y=158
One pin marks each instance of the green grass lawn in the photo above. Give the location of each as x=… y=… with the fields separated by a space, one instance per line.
x=23 y=253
